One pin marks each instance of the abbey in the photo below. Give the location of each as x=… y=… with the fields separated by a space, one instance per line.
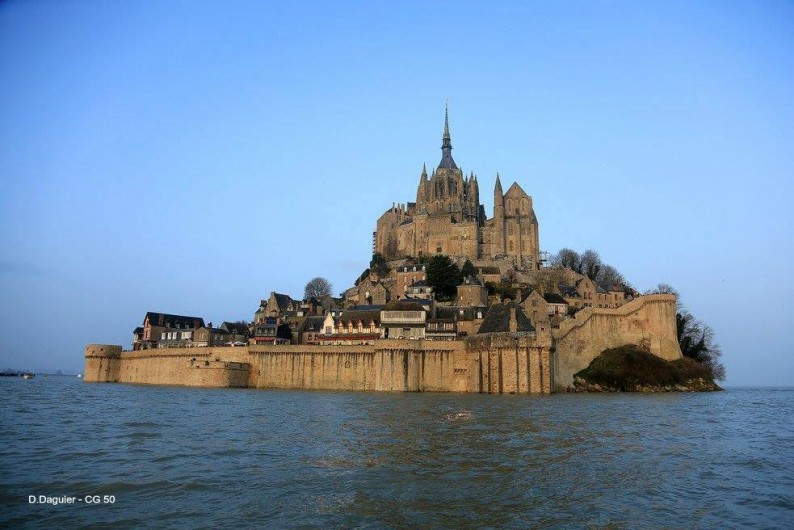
x=447 y=218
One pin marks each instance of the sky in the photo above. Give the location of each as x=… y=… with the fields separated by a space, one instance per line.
x=192 y=157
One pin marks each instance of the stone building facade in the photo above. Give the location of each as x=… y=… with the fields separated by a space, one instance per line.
x=447 y=218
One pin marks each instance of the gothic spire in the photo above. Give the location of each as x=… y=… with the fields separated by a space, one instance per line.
x=497 y=189
x=446 y=144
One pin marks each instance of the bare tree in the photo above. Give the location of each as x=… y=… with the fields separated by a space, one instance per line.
x=566 y=258
x=609 y=275
x=590 y=264
x=662 y=288
x=317 y=287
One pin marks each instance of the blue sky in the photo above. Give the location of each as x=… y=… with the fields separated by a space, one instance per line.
x=191 y=157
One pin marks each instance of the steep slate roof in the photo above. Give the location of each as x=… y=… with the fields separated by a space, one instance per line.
x=313 y=324
x=554 y=298
x=497 y=320
x=330 y=301
x=569 y=291
x=419 y=283
x=365 y=307
x=469 y=312
x=173 y=321
x=235 y=327
x=421 y=301
x=403 y=305
x=283 y=300
x=363 y=316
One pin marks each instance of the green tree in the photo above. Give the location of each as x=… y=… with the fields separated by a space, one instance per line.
x=444 y=276
x=378 y=265
x=468 y=269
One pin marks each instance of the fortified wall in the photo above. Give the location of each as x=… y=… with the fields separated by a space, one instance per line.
x=498 y=363
x=647 y=321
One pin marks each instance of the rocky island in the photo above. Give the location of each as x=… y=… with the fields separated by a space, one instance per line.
x=452 y=301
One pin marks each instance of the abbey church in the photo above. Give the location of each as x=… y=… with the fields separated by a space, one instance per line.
x=447 y=218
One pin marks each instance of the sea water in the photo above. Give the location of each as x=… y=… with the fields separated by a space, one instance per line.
x=143 y=456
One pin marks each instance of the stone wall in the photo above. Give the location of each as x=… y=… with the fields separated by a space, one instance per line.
x=102 y=363
x=207 y=367
x=497 y=363
x=648 y=320
x=493 y=364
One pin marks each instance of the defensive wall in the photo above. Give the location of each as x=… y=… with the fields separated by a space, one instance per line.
x=648 y=321
x=499 y=363
x=523 y=363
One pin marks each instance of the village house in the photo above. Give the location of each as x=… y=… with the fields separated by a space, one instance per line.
x=534 y=305
x=173 y=329
x=371 y=292
x=441 y=329
x=270 y=332
x=209 y=336
x=419 y=289
x=315 y=327
x=471 y=294
x=403 y=320
x=236 y=333
x=407 y=275
x=354 y=326
x=556 y=305
x=508 y=317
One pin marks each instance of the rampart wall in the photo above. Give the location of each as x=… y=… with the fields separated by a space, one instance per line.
x=516 y=363
x=534 y=363
x=648 y=320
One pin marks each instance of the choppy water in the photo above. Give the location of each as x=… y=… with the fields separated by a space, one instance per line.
x=193 y=458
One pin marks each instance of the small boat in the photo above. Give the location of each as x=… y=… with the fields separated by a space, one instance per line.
x=28 y=375
x=79 y=376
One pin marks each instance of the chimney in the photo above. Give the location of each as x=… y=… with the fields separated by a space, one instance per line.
x=513 y=322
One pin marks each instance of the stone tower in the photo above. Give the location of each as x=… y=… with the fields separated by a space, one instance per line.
x=447 y=192
x=498 y=220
